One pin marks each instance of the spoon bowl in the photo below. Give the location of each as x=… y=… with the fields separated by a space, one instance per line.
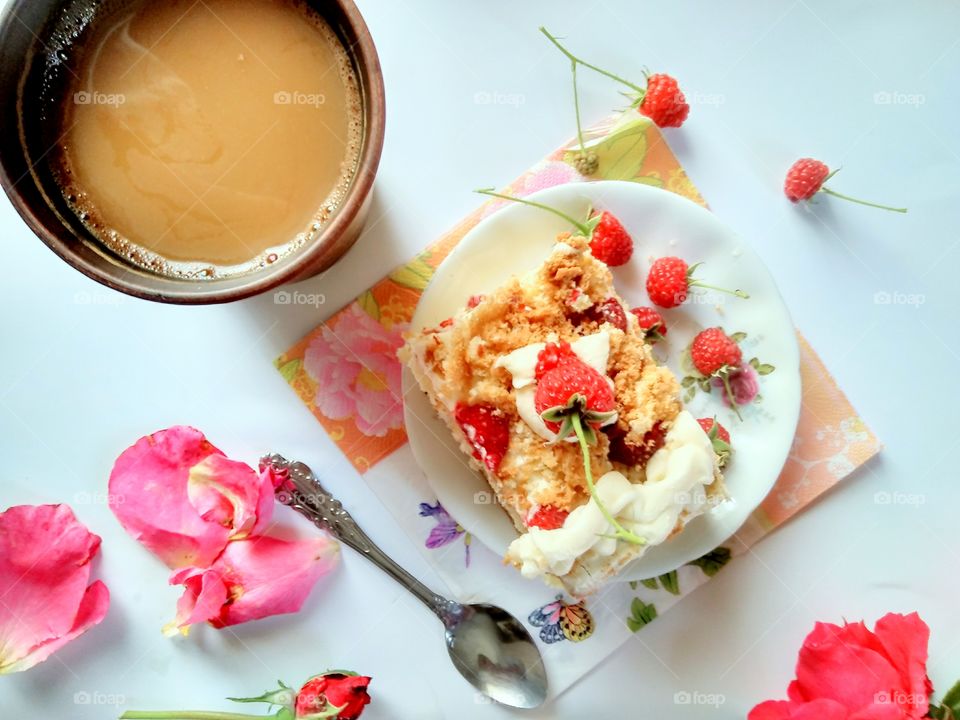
x=496 y=654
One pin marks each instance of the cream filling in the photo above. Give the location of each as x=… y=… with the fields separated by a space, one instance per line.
x=677 y=477
x=594 y=350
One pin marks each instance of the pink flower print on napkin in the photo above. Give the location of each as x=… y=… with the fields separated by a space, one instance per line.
x=357 y=372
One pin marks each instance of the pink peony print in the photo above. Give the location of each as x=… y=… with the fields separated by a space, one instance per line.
x=357 y=372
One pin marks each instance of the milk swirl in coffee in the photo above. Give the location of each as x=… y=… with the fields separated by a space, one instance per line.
x=206 y=140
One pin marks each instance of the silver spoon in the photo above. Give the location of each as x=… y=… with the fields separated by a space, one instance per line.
x=490 y=647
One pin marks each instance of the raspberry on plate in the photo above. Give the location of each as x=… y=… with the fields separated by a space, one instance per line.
x=609 y=240
x=670 y=278
x=719 y=437
x=712 y=350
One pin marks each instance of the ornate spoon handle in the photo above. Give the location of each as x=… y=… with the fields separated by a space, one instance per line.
x=301 y=490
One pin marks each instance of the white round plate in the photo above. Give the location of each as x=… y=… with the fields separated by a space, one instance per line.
x=517 y=238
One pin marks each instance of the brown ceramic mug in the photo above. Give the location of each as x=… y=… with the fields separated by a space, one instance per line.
x=36 y=39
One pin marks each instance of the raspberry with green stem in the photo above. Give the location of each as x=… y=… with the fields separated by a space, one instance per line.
x=661 y=99
x=586 y=162
x=806 y=178
x=609 y=240
x=670 y=279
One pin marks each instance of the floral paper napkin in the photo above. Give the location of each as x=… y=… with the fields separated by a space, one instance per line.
x=347 y=373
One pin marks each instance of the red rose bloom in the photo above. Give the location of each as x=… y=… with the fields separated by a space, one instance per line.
x=850 y=673
x=333 y=690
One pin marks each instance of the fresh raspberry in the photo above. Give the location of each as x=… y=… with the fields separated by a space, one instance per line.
x=549 y=357
x=670 y=279
x=664 y=102
x=570 y=377
x=712 y=351
x=487 y=430
x=611 y=311
x=610 y=242
x=708 y=424
x=548 y=517
x=651 y=322
x=804 y=179
x=475 y=300
x=719 y=438
x=667 y=282
x=635 y=455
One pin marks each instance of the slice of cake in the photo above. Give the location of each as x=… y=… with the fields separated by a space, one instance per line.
x=551 y=370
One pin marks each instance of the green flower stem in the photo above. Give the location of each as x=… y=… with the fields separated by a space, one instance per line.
x=582 y=227
x=185 y=715
x=620 y=532
x=574 y=59
x=738 y=293
x=828 y=191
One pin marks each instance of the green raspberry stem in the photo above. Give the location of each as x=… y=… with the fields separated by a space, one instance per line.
x=828 y=191
x=737 y=293
x=620 y=532
x=185 y=715
x=576 y=105
x=725 y=379
x=582 y=227
x=574 y=59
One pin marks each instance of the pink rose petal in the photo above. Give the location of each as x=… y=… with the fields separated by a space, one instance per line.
x=904 y=639
x=230 y=494
x=833 y=664
x=884 y=711
x=869 y=675
x=204 y=595
x=183 y=499
x=45 y=601
x=786 y=710
x=260 y=576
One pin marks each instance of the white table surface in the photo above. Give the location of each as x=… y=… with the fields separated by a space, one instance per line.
x=84 y=371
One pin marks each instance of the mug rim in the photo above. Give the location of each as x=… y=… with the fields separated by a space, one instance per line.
x=256 y=282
